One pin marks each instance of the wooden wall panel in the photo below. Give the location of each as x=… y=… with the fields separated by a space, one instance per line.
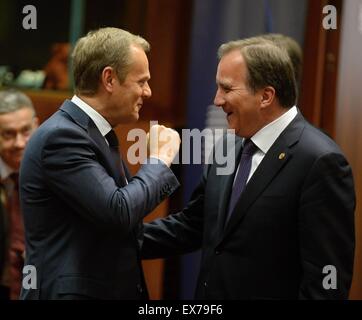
x=349 y=116
x=330 y=74
x=331 y=95
x=321 y=52
x=314 y=60
x=168 y=26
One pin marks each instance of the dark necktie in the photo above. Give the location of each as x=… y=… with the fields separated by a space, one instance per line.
x=116 y=156
x=16 y=238
x=242 y=176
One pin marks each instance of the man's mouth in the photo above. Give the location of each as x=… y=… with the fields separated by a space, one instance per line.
x=228 y=113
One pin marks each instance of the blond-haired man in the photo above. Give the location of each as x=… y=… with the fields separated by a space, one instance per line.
x=82 y=210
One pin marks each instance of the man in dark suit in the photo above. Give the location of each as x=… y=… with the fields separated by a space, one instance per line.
x=281 y=226
x=4 y=294
x=17 y=122
x=82 y=210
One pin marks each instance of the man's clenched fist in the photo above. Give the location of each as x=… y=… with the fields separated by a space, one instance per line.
x=163 y=143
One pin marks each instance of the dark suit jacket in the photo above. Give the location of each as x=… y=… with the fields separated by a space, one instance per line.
x=80 y=222
x=295 y=216
x=4 y=290
x=2 y=237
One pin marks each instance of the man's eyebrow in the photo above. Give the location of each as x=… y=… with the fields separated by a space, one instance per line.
x=145 y=78
x=224 y=84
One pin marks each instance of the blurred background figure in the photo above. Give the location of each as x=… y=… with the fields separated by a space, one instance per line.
x=17 y=122
x=56 y=69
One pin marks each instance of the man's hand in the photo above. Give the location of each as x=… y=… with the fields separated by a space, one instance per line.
x=163 y=143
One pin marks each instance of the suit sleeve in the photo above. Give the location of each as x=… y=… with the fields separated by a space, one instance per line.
x=73 y=172
x=182 y=232
x=2 y=235
x=326 y=229
x=178 y=233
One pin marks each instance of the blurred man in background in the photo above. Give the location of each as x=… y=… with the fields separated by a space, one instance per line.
x=17 y=122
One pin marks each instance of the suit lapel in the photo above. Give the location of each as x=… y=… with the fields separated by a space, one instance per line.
x=100 y=141
x=276 y=158
x=83 y=120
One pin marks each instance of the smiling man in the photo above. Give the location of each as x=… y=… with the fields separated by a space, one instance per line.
x=17 y=123
x=82 y=210
x=281 y=226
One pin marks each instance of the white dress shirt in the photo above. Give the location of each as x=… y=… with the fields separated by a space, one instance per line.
x=5 y=170
x=101 y=123
x=266 y=137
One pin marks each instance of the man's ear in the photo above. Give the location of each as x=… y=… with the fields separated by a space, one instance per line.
x=267 y=96
x=107 y=79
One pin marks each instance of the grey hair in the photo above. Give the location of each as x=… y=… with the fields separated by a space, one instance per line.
x=267 y=65
x=13 y=100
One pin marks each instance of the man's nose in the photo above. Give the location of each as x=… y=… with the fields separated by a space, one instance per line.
x=20 y=141
x=147 y=92
x=219 y=101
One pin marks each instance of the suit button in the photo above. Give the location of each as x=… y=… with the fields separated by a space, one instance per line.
x=205 y=284
x=139 y=288
x=217 y=252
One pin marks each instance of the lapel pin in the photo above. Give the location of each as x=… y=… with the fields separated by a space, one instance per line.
x=282 y=156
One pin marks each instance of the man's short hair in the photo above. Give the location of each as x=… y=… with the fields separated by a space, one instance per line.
x=13 y=100
x=293 y=49
x=99 y=49
x=267 y=65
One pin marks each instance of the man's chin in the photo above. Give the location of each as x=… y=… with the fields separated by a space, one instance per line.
x=231 y=127
x=136 y=116
x=15 y=165
x=129 y=119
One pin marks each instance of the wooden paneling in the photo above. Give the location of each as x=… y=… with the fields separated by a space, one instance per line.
x=314 y=59
x=168 y=26
x=321 y=50
x=46 y=102
x=349 y=116
x=331 y=95
x=328 y=103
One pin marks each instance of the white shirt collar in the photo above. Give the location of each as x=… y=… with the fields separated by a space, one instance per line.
x=101 y=123
x=266 y=136
x=5 y=170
